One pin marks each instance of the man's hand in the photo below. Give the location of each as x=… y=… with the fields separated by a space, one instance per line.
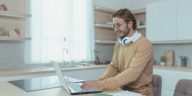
x=92 y=84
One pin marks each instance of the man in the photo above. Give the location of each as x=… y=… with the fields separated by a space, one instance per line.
x=131 y=67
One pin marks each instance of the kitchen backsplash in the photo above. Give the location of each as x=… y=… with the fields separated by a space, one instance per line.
x=104 y=52
x=12 y=54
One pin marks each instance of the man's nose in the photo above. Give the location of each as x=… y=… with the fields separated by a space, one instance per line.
x=116 y=29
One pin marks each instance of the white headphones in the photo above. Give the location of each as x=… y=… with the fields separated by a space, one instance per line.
x=126 y=40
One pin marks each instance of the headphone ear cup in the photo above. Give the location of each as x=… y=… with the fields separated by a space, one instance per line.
x=125 y=41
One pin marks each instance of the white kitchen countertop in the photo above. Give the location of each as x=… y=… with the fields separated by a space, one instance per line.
x=25 y=73
x=43 y=69
x=7 y=89
x=17 y=74
x=174 y=68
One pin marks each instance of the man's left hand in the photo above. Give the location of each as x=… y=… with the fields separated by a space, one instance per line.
x=92 y=84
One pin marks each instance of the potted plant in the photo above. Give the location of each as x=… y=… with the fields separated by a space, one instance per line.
x=163 y=60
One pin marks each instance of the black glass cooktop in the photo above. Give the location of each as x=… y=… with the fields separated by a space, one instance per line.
x=35 y=84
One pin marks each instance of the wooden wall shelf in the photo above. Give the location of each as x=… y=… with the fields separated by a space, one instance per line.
x=13 y=15
x=6 y=38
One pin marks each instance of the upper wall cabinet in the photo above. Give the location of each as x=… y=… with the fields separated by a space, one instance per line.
x=184 y=20
x=161 y=20
x=169 y=20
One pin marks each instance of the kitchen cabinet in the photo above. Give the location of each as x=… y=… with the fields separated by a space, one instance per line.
x=170 y=79
x=184 y=20
x=169 y=21
x=161 y=20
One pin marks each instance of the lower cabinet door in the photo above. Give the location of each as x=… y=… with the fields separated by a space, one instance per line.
x=167 y=93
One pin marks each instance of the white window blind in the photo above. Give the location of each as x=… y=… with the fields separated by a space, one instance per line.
x=61 y=29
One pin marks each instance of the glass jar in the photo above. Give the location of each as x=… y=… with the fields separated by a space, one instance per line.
x=182 y=61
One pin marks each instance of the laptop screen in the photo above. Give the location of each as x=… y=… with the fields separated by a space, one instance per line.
x=70 y=84
x=62 y=80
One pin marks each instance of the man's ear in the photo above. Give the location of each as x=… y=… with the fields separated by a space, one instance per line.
x=130 y=24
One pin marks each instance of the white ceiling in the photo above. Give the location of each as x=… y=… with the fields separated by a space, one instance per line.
x=118 y=4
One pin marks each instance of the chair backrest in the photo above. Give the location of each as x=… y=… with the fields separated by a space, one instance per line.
x=183 y=88
x=157 y=85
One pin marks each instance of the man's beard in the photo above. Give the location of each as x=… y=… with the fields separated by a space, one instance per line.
x=126 y=34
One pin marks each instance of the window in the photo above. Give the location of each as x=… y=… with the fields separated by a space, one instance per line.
x=61 y=29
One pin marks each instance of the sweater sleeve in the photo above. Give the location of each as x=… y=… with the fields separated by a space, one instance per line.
x=112 y=68
x=142 y=57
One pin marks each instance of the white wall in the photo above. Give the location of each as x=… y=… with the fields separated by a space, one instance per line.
x=11 y=54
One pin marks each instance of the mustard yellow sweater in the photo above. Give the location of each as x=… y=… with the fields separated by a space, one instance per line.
x=131 y=68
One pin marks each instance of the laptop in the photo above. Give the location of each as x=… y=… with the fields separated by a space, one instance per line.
x=72 y=87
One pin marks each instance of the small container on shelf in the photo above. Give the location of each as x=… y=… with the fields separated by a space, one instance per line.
x=15 y=32
x=170 y=57
x=141 y=23
x=97 y=60
x=182 y=61
x=3 y=7
x=4 y=31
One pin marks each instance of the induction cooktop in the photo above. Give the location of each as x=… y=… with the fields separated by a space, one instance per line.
x=36 y=84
